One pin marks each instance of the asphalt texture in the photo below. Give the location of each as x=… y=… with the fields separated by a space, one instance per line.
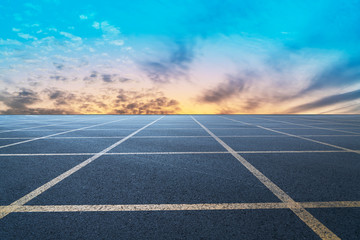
x=100 y=177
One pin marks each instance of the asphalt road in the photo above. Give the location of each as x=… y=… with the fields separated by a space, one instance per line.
x=180 y=177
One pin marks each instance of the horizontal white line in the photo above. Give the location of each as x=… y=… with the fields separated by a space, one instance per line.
x=156 y=129
x=108 y=129
x=225 y=136
x=28 y=197
x=176 y=207
x=59 y=133
x=163 y=153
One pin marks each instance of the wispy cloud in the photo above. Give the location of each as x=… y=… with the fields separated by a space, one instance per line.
x=342 y=73
x=326 y=101
x=26 y=36
x=71 y=36
x=173 y=66
x=83 y=17
x=232 y=86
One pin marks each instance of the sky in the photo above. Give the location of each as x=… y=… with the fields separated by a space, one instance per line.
x=179 y=57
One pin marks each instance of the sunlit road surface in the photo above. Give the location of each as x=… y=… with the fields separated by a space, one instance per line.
x=180 y=177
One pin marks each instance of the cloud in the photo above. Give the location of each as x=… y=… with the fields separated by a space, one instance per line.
x=144 y=102
x=96 y=25
x=59 y=78
x=104 y=77
x=342 y=73
x=107 y=101
x=117 y=42
x=160 y=105
x=326 y=101
x=71 y=36
x=109 y=30
x=33 y=7
x=83 y=17
x=59 y=66
x=231 y=87
x=18 y=102
x=60 y=97
x=173 y=67
x=9 y=42
x=26 y=36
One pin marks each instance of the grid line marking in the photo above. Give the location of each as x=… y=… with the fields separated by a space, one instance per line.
x=322 y=121
x=56 y=124
x=316 y=127
x=178 y=207
x=185 y=136
x=293 y=135
x=23 y=200
x=56 y=134
x=167 y=153
x=321 y=230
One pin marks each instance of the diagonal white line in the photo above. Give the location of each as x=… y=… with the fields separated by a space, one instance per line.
x=56 y=134
x=21 y=122
x=56 y=124
x=323 y=121
x=296 y=208
x=292 y=135
x=13 y=206
x=316 y=127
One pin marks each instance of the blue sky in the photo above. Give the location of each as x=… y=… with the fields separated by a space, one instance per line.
x=179 y=56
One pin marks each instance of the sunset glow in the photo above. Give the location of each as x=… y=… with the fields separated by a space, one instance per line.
x=179 y=57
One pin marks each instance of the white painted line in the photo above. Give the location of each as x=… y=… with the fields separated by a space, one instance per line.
x=324 y=121
x=156 y=129
x=335 y=204
x=32 y=121
x=296 y=136
x=18 y=203
x=296 y=208
x=147 y=207
x=120 y=128
x=221 y=136
x=178 y=207
x=56 y=124
x=165 y=153
x=298 y=124
x=56 y=134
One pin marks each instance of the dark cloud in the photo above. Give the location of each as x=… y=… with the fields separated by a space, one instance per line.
x=161 y=105
x=150 y=102
x=232 y=86
x=326 y=101
x=115 y=101
x=59 y=66
x=252 y=104
x=93 y=74
x=59 y=78
x=92 y=77
x=18 y=102
x=107 y=78
x=174 y=66
x=60 y=97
